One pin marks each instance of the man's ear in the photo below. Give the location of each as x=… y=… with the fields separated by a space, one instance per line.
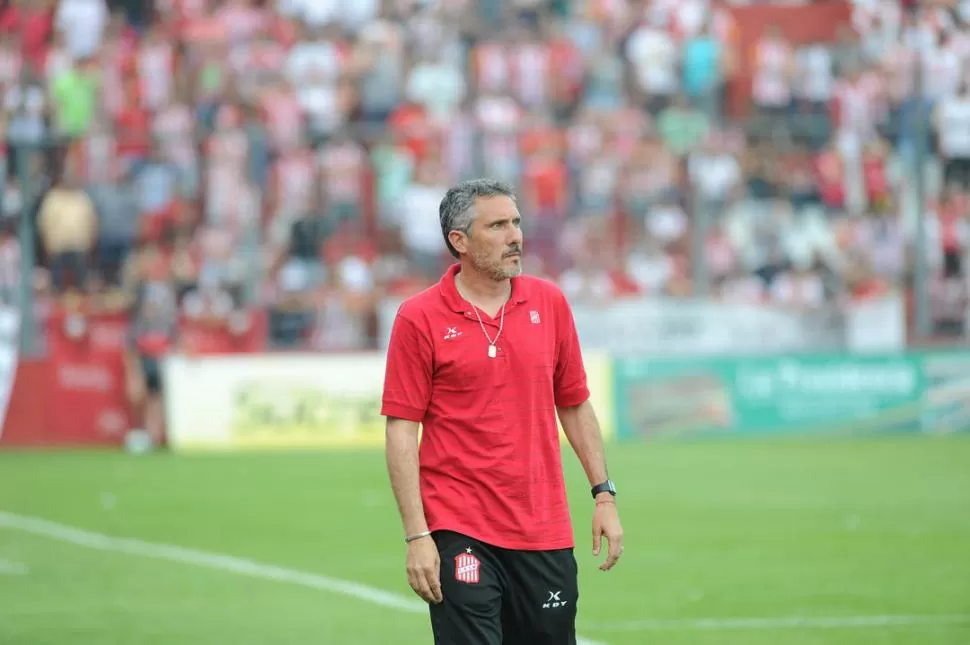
x=459 y=241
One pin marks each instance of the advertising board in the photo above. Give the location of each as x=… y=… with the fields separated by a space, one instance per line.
x=837 y=393
x=945 y=405
x=295 y=401
x=273 y=401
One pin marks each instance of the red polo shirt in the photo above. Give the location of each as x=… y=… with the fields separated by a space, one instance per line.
x=490 y=455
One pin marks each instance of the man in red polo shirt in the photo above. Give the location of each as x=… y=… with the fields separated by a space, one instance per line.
x=485 y=361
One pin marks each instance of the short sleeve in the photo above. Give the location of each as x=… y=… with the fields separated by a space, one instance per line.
x=408 y=372
x=570 y=385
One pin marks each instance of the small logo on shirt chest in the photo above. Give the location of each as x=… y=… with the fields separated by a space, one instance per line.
x=534 y=317
x=451 y=333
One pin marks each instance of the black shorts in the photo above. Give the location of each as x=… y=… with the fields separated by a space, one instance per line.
x=495 y=596
x=153 y=374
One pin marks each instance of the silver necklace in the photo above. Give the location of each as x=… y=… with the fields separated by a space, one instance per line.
x=492 y=352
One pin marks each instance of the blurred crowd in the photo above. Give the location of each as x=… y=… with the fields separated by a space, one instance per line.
x=201 y=158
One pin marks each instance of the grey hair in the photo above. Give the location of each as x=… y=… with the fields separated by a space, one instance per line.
x=457 y=209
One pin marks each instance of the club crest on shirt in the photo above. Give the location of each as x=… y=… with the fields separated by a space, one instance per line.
x=534 y=317
x=467 y=568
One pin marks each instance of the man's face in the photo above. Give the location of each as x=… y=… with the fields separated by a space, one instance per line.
x=494 y=244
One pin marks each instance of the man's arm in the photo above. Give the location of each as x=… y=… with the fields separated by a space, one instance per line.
x=401 y=452
x=407 y=393
x=582 y=429
x=573 y=406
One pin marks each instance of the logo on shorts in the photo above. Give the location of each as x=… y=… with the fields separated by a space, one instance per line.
x=452 y=333
x=553 y=602
x=534 y=317
x=467 y=567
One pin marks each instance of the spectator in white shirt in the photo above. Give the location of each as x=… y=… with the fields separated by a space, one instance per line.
x=314 y=56
x=800 y=286
x=82 y=22
x=438 y=85
x=418 y=223
x=654 y=56
x=352 y=14
x=715 y=174
x=814 y=73
x=951 y=119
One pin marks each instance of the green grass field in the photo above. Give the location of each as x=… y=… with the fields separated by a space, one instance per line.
x=774 y=542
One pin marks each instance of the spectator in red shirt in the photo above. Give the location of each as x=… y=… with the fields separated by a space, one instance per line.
x=485 y=360
x=546 y=188
x=410 y=122
x=34 y=22
x=861 y=281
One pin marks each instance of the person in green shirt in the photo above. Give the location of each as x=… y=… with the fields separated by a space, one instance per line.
x=395 y=172
x=74 y=94
x=682 y=127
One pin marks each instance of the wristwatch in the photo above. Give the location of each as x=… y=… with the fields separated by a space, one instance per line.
x=606 y=487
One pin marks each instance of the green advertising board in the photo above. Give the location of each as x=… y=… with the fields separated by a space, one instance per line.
x=945 y=406
x=784 y=394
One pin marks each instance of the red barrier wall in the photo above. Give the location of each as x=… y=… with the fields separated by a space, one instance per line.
x=77 y=396
x=86 y=381
x=28 y=415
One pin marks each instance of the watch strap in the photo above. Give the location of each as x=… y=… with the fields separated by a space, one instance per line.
x=606 y=487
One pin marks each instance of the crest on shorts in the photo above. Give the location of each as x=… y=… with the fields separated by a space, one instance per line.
x=467 y=568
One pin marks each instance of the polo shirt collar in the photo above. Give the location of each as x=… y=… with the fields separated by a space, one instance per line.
x=449 y=290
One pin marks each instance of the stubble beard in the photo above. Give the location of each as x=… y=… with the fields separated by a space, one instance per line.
x=494 y=270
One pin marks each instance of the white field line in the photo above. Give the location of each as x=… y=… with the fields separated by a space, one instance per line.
x=790 y=622
x=218 y=561
x=8 y=568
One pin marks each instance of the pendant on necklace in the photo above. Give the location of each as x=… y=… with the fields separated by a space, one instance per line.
x=491 y=351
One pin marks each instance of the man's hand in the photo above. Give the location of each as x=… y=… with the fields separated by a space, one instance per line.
x=424 y=570
x=606 y=523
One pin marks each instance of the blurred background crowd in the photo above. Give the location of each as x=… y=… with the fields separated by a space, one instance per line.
x=206 y=158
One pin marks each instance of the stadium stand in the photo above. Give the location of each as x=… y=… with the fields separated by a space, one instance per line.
x=272 y=168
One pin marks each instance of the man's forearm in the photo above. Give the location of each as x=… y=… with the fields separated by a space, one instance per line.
x=401 y=451
x=583 y=431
